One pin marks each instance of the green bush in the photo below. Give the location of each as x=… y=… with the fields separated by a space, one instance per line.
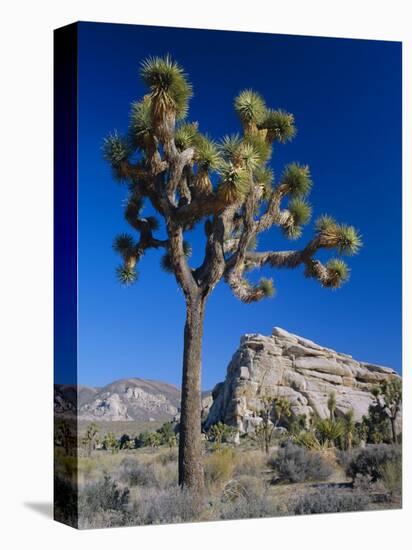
x=297 y=464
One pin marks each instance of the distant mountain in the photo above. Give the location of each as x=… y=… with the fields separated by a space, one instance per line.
x=127 y=399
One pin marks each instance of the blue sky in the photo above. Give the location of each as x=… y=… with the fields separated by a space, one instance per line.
x=346 y=98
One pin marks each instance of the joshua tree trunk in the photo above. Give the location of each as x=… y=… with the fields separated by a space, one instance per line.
x=190 y=444
x=394 y=439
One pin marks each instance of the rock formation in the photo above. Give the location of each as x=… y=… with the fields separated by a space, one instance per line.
x=286 y=365
x=128 y=399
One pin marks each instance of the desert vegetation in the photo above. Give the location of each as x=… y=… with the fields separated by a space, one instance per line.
x=301 y=466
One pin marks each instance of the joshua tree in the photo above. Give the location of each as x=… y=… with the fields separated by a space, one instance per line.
x=219 y=433
x=188 y=179
x=110 y=442
x=281 y=409
x=332 y=405
x=277 y=407
x=91 y=438
x=167 y=434
x=389 y=394
x=349 y=424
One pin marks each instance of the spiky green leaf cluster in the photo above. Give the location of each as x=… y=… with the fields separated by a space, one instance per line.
x=186 y=135
x=207 y=153
x=349 y=241
x=123 y=243
x=297 y=179
x=250 y=156
x=344 y=238
x=301 y=211
x=262 y=149
x=279 y=124
x=168 y=83
x=140 y=122
x=229 y=147
x=115 y=149
x=264 y=176
x=292 y=231
x=338 y=271
x=234 y=183
x=250 y=107
x=267 y=286
x=126 y=275
x=325 y=223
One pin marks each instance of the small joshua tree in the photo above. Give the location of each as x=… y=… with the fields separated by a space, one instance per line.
x=281 y=409
x=110 y=442
x=229 y=187
x=389 y=394
x=332 y=405
x=90 y=438
x=220 y=432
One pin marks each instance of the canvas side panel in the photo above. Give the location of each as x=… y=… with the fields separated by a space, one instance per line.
x=65 y=276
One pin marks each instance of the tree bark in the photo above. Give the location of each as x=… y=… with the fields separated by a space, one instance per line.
x=190 y=444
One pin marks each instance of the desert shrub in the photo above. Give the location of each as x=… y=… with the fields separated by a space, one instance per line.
x=390 y=474
x=245 y=497
x=372 y=460
x=297 y=464
x=168 y=457
x=249 y=463
x=165 y=475
x=103 y=504
x=328 y=501
x=219 y=466
x=134 y=473
x=307 y=439
x=242 y=508
x=172 y=505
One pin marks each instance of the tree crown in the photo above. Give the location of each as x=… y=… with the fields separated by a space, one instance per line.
x=228 y=185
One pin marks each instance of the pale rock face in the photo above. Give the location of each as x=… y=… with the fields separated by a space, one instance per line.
x=130 y=399
x=287 y=365
x=108 y=408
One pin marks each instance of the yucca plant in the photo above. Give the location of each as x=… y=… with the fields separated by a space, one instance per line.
x=188 y=178
x=329 y=431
